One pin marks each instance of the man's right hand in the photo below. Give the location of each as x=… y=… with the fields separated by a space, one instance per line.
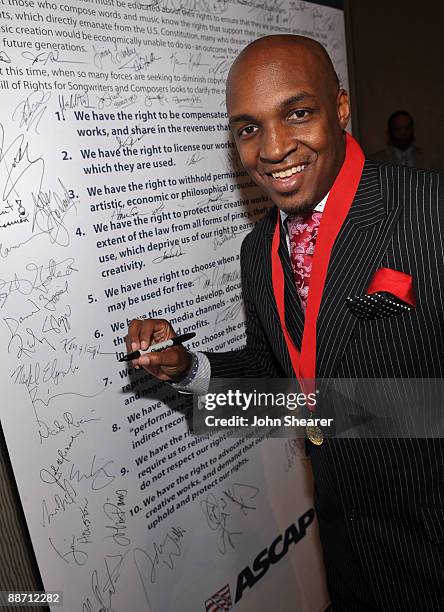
x=167 y=365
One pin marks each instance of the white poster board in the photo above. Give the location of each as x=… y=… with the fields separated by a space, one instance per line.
x=121 y=197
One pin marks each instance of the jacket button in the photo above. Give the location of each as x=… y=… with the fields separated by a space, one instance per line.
x=353 y=514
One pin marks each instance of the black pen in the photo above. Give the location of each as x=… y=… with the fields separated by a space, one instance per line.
x=155 y=348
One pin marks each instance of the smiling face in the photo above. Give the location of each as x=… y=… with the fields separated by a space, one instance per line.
x=287 y=115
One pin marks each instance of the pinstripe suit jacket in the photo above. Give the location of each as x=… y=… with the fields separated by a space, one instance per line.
x=380 y=503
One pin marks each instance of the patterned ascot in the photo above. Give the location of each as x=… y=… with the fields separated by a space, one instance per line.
x=303 y=232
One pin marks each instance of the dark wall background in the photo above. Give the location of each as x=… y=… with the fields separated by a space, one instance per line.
x=396 y=56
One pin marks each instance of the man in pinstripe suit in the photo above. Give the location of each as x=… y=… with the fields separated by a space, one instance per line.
x=380 y=503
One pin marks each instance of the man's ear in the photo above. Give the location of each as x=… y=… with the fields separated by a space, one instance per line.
x=343 y=108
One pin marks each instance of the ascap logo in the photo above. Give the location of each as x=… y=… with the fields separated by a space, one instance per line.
x=277 y=550
x=220 y=601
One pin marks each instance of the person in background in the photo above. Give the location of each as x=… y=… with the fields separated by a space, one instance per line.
x=402 y=149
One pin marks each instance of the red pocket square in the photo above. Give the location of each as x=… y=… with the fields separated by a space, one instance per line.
x=391 y=281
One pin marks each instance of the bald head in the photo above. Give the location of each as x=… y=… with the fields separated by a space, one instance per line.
x=288 y=115
x=270 y=49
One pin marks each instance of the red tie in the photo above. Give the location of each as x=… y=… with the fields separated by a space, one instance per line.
x=303 y=232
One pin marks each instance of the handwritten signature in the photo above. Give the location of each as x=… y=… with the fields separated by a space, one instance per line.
x=139 y=62
x=118 y=527
x=230 y=234
x=160 y=98
x=61 y=502
x=85 y=538
x=229 y=313
x=30 y=111
x=77 y=100
x=4 y=57
x=217 y=519
x=116 y=100
x=164 y=553
x=53 y=474
x=128 y=141
x=188 y=102
x=219 y=511
x=220 y=277
x=44 y=57
x=39 y=280
x=220 y=67
x=194 y=159
x=17 y=163
x=70 y=345
x=99 y=476
x=50 y=210
x=103 y=595
x=72 y=553
x=114 y=55
x=219 y=197
x=194 y=61
x=174 y=251
x=294 y=451
x=55 y=427
x=242 y=495
x=24 y=343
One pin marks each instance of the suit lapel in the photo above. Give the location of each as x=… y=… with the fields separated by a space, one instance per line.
x=356 y=255
x=294 y=317
x=293 y=313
